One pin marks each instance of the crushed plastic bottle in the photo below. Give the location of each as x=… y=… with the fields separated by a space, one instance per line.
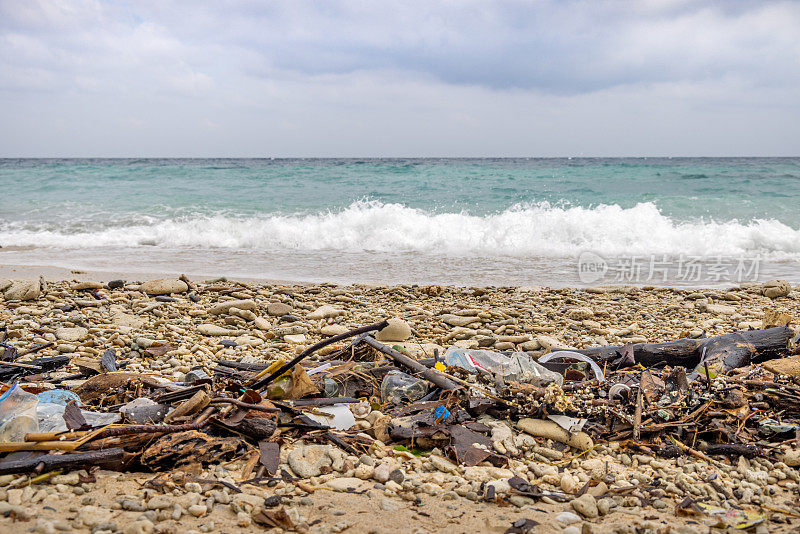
x=518 y=367
x=398 y=386
x=330 y=387
x=17 y=414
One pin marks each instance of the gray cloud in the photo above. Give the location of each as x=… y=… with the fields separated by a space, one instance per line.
x=83 y=77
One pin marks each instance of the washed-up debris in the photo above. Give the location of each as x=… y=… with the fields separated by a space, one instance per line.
x=516 y=427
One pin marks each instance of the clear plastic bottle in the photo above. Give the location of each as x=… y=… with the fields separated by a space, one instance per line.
x=398 y=386
x=17 y=414
x=518 y=367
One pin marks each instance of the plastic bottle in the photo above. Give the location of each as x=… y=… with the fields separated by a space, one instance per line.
x=398 y=386
x=17 y=414
x=518 y=367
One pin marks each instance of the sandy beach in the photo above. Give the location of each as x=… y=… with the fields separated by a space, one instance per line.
x=81 y=317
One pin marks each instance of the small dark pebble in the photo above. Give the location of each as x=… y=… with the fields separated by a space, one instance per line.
x=289 y=319
x=115 y=284
x=66 y=308
x=397 y=476
x=165 y=298
x=227 y=343
x=193 y=296
x=272 y=501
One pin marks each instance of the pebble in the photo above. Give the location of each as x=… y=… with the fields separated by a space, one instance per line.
x=586 y=505
x=197 y=510
x=568 y=518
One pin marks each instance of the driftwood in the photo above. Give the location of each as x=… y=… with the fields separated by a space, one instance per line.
x=49 y=462
x=723 y=353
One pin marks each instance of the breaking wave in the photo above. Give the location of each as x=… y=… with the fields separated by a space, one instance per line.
x=535 y=230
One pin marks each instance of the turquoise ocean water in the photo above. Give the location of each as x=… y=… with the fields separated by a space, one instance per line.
x=464 y=221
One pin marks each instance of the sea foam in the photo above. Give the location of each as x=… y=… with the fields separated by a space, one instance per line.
x=531 y=230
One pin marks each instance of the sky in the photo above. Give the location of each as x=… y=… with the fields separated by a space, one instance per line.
x=255 y=78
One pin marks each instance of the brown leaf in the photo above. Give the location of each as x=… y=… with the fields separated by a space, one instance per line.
x=73 y=416
x=302 y=385
x=270 y=456
x=273 y=518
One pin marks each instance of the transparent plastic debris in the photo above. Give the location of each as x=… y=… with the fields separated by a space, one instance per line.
x=50 y=418
x=337 y=416
x=17 y=414
x=280 y=388
x=567 y=354
x=58 y=396
x=398 y=386
x=518 y=367
x=330 y=387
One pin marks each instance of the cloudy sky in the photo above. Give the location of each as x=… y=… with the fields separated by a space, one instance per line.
x=414 y=78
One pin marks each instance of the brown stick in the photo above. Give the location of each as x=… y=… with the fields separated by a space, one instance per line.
x=431 y=375
x=637 y=416
x=264 y=382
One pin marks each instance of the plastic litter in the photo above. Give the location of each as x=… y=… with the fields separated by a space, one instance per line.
x=50 y=418
x=59 y=396
x=337 y=416
x=570 y=424
x=566 y=354
x=398 y=386
x=17 y=414
x=518 y=367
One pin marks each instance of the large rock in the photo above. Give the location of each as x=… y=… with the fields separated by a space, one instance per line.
x=776 y=288
x=397 y=330
x=225 y=306
x=164 y=286
x=23 y=290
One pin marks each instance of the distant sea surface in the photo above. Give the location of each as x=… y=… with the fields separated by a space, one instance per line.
x=556 y=222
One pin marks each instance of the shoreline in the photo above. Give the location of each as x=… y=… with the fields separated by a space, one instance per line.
x=433 y=494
